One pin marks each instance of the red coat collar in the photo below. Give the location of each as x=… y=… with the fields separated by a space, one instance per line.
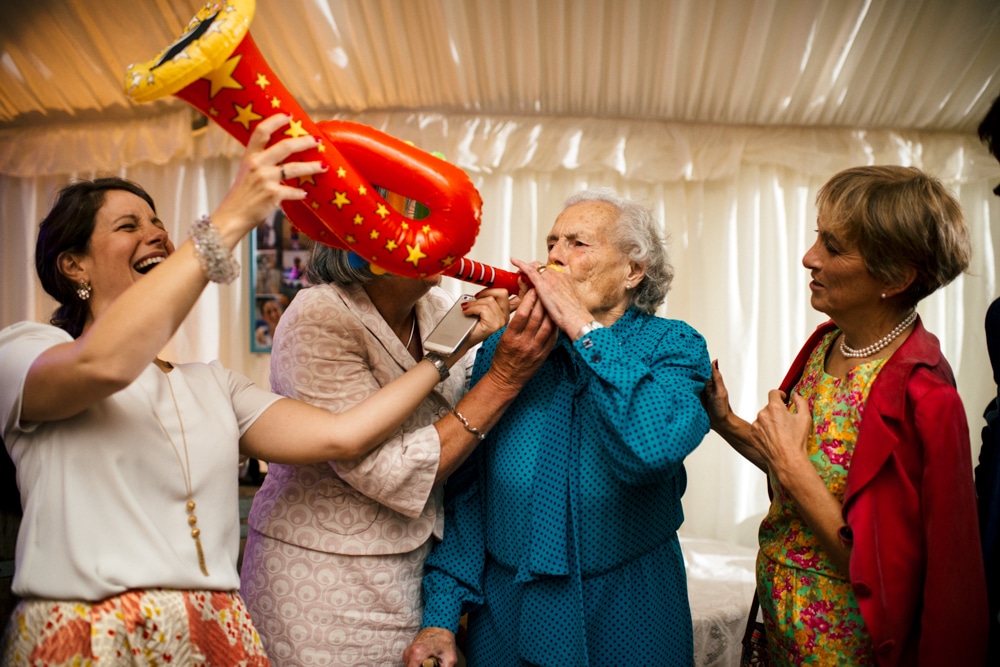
x=886 y=399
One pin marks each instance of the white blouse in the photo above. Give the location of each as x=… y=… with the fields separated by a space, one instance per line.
x=104 y=492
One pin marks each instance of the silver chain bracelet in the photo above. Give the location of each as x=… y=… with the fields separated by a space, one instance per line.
x=216 y=260
x=468 y=427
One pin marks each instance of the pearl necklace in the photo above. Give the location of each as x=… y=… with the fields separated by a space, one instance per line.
x=848 y=351
x=185 y=470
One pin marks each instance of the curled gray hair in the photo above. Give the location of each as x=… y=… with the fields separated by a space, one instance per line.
x=332 y=265
x=637 y=235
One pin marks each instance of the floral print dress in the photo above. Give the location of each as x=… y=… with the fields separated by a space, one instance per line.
x=810 y=612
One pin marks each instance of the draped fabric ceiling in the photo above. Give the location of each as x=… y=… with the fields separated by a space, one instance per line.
x=725 y=116
x=914 y=64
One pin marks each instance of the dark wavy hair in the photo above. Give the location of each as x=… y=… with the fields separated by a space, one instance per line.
x=68 y=228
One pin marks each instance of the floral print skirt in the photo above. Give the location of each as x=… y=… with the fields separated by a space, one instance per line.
x=139 y=627
x=811 y=619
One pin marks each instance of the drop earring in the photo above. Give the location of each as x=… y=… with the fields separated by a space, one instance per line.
x=84 y=290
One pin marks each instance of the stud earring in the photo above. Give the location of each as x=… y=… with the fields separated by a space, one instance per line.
x=84 y=290
x=883 y=295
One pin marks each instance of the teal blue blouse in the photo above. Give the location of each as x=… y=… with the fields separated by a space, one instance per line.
x=548 y=523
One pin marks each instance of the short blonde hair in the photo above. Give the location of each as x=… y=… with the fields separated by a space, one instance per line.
x=900 y=219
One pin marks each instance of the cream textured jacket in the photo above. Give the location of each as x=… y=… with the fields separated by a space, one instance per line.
x=332 y=349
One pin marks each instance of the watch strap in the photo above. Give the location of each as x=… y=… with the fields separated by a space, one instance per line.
x=439 y=364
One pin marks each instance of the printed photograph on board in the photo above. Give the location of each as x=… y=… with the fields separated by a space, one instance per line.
x=279 y=253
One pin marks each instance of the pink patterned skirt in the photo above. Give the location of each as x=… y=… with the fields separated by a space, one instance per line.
x=138 y=627
x=316 y=609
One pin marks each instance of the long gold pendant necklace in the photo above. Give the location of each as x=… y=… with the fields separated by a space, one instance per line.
x=185 y=469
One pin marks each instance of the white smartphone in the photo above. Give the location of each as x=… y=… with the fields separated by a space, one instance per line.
x=452 y=330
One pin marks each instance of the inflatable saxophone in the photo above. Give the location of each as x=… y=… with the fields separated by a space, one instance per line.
x=216 y=68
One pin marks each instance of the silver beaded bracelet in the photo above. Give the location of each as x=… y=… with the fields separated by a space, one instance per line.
x=216 y=261
x=468 y=427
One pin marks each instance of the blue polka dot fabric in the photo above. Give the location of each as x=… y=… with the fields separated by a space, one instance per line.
x=561 y=531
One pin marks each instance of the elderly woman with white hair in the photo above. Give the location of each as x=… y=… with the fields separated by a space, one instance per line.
x=561 y=530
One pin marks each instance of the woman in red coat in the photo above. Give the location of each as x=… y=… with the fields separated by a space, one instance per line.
x=870 y=551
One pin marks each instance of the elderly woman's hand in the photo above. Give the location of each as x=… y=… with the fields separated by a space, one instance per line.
x=780 y=435
x=258 y=188
x=733 y=429
x=431 y=644
x=558 y=293
x=525 y=344
x=522 y=348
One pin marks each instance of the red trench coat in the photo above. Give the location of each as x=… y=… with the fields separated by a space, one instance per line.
x=910 y=506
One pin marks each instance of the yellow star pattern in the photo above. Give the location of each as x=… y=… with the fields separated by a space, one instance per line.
x=374 y=234
x=295 y=129
x=275 y=102
x=391 y=245
x=307 y=179
x=358 y=218
x=213 y=111
x=340 y=200
x=362 y=190
x=448 y=261
x=404 y=225
x=245 y=115
x=350 y=238
x=415 y=255
x=214 y=27
x=341 y=172
x=382 y=211
x=222 y=77
x=321 y=148
x=314 y=204
x=426 y=229
x=262 y=81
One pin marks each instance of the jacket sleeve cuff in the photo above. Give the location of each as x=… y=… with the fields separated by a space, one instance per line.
x=443 y=599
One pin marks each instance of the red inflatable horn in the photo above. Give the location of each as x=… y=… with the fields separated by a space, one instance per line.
x=216 y=67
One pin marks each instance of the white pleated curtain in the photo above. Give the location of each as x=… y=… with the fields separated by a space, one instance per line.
x=733 y=180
